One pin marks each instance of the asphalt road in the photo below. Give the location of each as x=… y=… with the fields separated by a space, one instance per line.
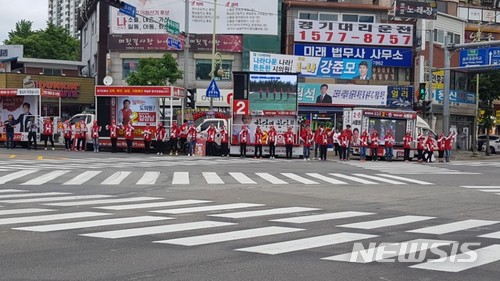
x=103 y=216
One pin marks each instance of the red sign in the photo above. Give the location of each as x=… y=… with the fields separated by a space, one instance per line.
x=223 y=43
x=240 y=107
x=149 y=91
x=8 y=92
x=141 y=42
x=391 y=114
x=51 y=93
x=148 y=117
x=279 y=112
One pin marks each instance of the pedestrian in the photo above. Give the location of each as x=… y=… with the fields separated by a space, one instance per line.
x=32 y=127
x=48 y=132
x=363 y=144
x=211 y=133
x=67 y=133
x=343 y=142
x=9 y=125
x=421 y=147
x=129 y=136
x=146 y=136
x=323 y=145
x=407 y=140
x=317 y=140
x=258 y=142
x=224 y=141
x=307 y=139
x=289 y=142
x=191 y=138
x=441 y=147
x=183 y=133
x=429 y=148
x=160 y=136
x=244 y=137
x=374 y=144
x=348 y=132
x=174 y=134
x=448 y=143
x=82 y=135
x=113 y=135
x=271 y=140
x=389 y=145
x=336 y=143
x=94 y=132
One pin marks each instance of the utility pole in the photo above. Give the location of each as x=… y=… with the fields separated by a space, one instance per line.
x=446 y=97
x=186 y=57
x=431 y=65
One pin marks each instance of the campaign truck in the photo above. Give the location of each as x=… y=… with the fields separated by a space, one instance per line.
x=397 y=121
x=135 y=105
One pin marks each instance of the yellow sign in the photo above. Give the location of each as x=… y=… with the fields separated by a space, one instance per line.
x=438 y=79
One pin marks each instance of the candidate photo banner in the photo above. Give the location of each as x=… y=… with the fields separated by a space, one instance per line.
x=137 y=111
x=344 y=94
x=334 y=32
x=21 y=107
x=280 y=123
x=380 y=56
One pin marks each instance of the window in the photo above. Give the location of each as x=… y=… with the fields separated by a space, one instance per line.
x=84 y=36
x=128 y=66
x=350 y=18
x=308 y=16
x=438 y=36
x=358 y=18
x=328 y=17
x=366 y=19
x=204 y=67
x=52 y=71
x=456 y=38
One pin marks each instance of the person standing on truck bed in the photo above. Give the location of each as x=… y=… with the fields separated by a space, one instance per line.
x=271 y=140
x=113 y=135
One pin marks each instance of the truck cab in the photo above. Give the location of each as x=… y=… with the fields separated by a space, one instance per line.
x=218 y=123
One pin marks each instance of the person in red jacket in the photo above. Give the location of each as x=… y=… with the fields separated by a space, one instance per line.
x=146 y=136
x=375 y=143
x=271 y=140
x=113 y=134
x=307 y=139
x=183 y=133
x=389 y=145
x=407 y=140
x=224 y=141
x=323 y=144
x=448 y=143
x=211 y=134
x=344 y=145
x=441 y=147
x=244 y=138
x=129 y=136
x=160 y=134
x=82 y=136
x=289 y=141
x=67 y=133
x=429 y=148
x=192 y=136
x=317 y=140
x=94 y=131
x=48 y=131
x=364 y=140
x=258 y=142
x=421 y=147
x=174 y=134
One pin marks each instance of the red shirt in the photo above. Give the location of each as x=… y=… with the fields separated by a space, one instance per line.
x=67 y=131
x=211 y=134
x=271 y=135
x=348 y=134
x=317 y=136
x=364 y=140
x=258 y=137
x=48 y=128
x=307 y=137
x=389 y=140
x=183 y=131
x=421 y=142
x=83 y=131
x=126 y=113
x=448 y=142
x=244 y=136
x=193 y=133
x=441 y=143
x=95 y=131
x=147 y=134
x=407 y=141
x=112 y=131
x=129 y=132
x=224 y=136
x=429 y=144
x=289 y=138
x=375 y=139
x=160 y=133
x=174 y=132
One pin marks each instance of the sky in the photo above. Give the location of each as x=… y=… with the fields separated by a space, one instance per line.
x=13 y=11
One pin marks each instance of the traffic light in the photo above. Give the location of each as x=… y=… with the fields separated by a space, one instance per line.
x=422 y=92
x=191 y=98
x=116 y=3
x=427 y=108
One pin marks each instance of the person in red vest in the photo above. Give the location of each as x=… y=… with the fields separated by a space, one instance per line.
x=258 y=142
x=224 y=141
x=174 y=134
x=307 y=139
x=244 y=135
x=146 y=136
x=82 y=136
x=429 y=148
x=271 y=140
x=289 y=141
x=448 y=143
x=344 y=145
x=94 y=131
x=389 y=145
x=348 y=133
x=364 y=140
x=183 y=133
x=441 y=147
x=421 y=147
x=67 y=133
x=113 y=134
x=407 y=140
x=192 y=136
x=211 y=134
x=160 y=138
x=375 y=143
x=129 y=136
x=48 y=132
x=323 y=145
x=317 y=140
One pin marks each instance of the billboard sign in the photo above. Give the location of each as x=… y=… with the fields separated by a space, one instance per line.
x=416 y=10
x=272 y=94
x=344 y=94
x=151 y=91
x=143 y=42
x=223 y=43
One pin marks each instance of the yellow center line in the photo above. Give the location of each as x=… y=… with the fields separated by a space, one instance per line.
x=39 y=157
x=12 y=156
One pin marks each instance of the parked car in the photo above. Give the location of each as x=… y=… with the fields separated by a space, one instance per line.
x=481 y=140
x=494 y=146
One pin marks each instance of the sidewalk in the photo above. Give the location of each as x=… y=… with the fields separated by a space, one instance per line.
x=467 y=155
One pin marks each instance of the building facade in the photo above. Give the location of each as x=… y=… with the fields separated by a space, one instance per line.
x=63 y=13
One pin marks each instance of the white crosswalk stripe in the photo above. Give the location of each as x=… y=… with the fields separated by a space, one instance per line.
x=267 y=212
x=45 y=178
x=212 y=178
x=40 y=218
x=148 y=178
x=16 y=175
x=208 y=208
x=327 y=179
x=241 y=178
x=493 y=235
x=180 y=178
x=153 y=205
x=229 y=236
x=270 y=178
x=354 y=179
x=11 y=190
x=323 y=217
x=82 y=178
x=116 y=178
x=52 y=199
x=103 y=201
x=24 y=195
x=386 y=222
x=405 y=179
x=23 y=211
x=379 y=179
x=299 y=178
x=453 y=227
x=408 y=168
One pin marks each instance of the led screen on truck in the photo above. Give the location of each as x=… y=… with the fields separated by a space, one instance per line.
x=272 y=92
x=397 y=127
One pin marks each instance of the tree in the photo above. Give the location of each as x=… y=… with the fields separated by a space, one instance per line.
x=53 y=42
x=155 y=72
x=488 y=92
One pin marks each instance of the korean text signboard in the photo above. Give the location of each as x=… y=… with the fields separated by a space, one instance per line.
x=334 y=32
x=344 y=94
x=480 y=57
x=417 y=10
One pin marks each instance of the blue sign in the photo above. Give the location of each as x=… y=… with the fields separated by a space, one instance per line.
x=480 y=57
x=380 y=56
x=455 y=96
x=344 y=69
x=400 y=96
x=174 y=43
x=212 y=90
x=128 y=10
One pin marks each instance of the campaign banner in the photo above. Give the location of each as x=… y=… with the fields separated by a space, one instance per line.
x=140 y=42
x=223 y=43
x=380 y=56
x=137 y=111
x=343 y=94
x=335 y=32
x=272 y=94
x=400 y=96
x=455 y=96
x=21 y=107
x=280 y=123
x=235 y=17
x=151 y=91
x=311 y=66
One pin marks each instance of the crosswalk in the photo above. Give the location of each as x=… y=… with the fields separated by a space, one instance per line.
x=190 y=222
x=494 y=164
x=490 y=189
x=35 y=177
x=411 y=168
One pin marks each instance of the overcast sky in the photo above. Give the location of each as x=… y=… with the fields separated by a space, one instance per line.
x=13 y=11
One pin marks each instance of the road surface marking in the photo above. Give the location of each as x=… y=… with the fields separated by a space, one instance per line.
x=141 y=231
x=268 y=212
x=116 y=178
x=386 y=222
x=324 y=178
x=24 y=195
x=82 y=178
x=306 y=243
x=481 y=186
x=299 y=178
x=51 y=199
x=16 y=175
x=148 y=178
x=23 y=211
x=103 y=201
x=11 y=190
x=452 y=227
x=153 y=205
x=229 y=236
x=490 y=190
x=180 y=178
x=45 y=178
x=212 y=178
x=208 y=208
x=323 y=217
x=355 y=179
x=270 y=178
x=50 y=217
x=241 y=178
x=494 y=235
x=379 y=179
x=406 y=179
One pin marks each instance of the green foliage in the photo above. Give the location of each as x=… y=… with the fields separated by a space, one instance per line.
x=155 y=72
x=53 y=42
x=488 y=92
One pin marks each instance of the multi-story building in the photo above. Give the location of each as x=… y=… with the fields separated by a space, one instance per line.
x=63 y=14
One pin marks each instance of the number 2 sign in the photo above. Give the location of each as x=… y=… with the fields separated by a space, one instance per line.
x=240 y=107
